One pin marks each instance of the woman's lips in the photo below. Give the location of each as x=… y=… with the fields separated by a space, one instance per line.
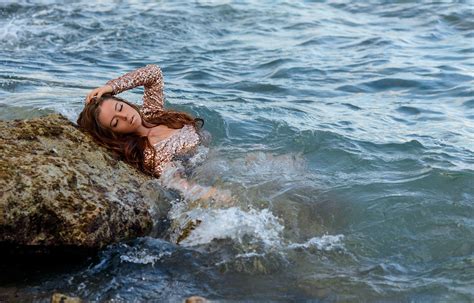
x=131 y=120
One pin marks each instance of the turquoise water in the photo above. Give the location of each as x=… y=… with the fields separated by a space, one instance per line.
x=346 y=130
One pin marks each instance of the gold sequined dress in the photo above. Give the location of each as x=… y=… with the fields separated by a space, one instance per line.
x=180 y=144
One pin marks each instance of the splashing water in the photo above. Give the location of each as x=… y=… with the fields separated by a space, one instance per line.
x=234 y=223
x=326 y=243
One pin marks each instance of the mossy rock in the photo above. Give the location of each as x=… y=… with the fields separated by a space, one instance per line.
x=59 y=188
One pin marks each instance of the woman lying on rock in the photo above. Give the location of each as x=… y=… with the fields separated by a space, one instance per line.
x=149 y=138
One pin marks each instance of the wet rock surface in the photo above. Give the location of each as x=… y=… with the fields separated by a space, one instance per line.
x=59 y=188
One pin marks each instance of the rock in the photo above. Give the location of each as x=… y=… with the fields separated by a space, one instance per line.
x=61 y=298
x=59 y=188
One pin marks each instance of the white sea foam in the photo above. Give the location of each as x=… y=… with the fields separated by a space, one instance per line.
x=9 y=30
x=66 y=110
x=143 y=257
x=16 y=33
x=326 y=243
x=234 y=223
x=199 y=156
x=250 y=255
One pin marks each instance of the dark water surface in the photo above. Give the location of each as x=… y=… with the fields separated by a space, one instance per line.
x=346 y=130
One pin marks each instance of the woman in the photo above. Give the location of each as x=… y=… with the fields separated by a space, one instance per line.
x=149 y=138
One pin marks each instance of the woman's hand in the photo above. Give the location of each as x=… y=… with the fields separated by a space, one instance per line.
x=98 y=92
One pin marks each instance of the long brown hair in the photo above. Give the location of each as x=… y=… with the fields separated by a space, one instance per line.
x=130 y=147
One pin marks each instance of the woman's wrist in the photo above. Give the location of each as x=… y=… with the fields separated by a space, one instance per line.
x=112 y=85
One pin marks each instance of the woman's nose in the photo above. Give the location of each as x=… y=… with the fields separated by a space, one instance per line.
x=122 y=116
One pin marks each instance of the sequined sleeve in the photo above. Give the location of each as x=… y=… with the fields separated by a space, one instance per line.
x=151 y=78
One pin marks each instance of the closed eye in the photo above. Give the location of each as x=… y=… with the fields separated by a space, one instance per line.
x=121 y=107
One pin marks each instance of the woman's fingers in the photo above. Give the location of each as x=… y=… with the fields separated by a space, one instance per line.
x=98 y=92
x=91 y=95
x=95 y=93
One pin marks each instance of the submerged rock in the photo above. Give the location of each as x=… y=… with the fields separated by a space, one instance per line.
x=61 y=298
x=59 y=188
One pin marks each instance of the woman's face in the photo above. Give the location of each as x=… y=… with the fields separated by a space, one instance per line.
x=119 y=117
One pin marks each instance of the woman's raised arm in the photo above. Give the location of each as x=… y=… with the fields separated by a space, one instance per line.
x=151 y=78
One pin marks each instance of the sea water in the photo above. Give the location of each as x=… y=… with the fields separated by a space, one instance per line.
x=344 y=130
